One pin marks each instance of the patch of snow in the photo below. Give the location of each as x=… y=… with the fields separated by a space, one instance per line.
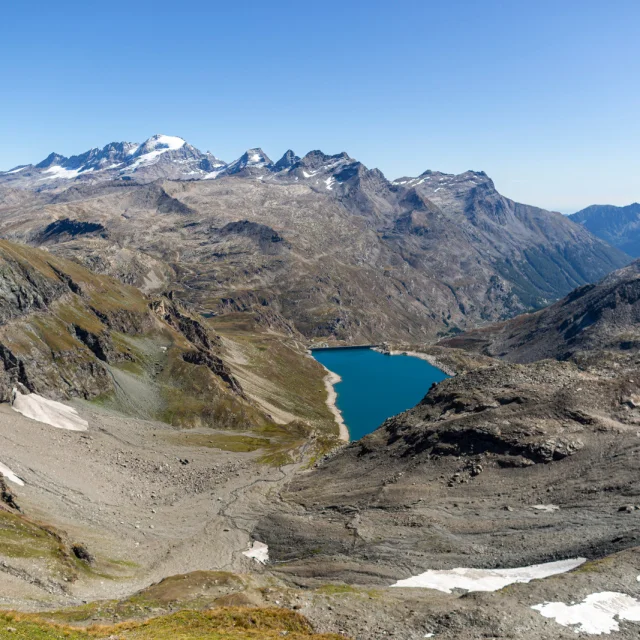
x=596 y=614
x=48 y=411
x=549 y=508
x=255 y=158
x=10 y=476
x=329 y=182
x=16 y=170
x=165 y=142
x=133 y=149
x=147 y=158
x=307 y=175
x=259 y=551
x=60 y=173
x=429 y=635
x=212 y=175
x=436 y=190
x=486 y=579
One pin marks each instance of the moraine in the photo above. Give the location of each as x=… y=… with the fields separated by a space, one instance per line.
x=375 y=386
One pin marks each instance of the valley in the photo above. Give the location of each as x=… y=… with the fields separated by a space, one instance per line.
x=172 y=301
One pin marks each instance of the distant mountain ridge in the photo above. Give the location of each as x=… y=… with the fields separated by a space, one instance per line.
x=620 y=226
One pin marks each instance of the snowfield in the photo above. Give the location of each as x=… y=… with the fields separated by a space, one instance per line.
x=48 y=411
x=10 y=476
x=486 y=579
x=259 y=551
x=596 y=614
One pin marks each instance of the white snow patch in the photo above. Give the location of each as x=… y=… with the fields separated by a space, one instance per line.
x=486 y=579
x=329 y=182
x=26 y=166
x=596 y=614
x=166 y=142
x=60 y=173
x=147 y=158
x=48 y=411
x=255 y=158
x=212 y=175
x=9 y=475
x=259 y=551
x=549 y=508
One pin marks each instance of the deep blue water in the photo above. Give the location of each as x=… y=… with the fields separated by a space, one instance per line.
x=375 y=387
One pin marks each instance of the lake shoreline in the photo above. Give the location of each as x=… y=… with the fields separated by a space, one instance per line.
x=432 y=360
x=330 y=380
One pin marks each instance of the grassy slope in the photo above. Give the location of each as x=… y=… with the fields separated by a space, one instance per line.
x=231 y=623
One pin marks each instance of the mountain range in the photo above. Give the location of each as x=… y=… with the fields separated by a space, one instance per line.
x=169 y=300
x=319 y=246
x=619 y=226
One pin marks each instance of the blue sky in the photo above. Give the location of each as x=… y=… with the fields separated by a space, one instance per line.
x=543 y=96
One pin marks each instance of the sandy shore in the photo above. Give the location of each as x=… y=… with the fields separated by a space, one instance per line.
x=331 y=379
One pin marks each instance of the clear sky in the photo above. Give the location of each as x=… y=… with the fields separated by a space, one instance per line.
x=543 y=96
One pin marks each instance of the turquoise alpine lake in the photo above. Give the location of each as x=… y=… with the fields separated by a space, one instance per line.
x=375 y=386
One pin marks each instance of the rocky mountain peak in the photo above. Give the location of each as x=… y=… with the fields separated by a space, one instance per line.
x=318 y=160
x=250 y=161
x=287 y=161
x=51 y=160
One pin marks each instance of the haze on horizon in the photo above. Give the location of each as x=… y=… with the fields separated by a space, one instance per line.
x=513 y=89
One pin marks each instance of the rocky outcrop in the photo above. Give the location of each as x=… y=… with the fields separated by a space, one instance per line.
x=502 y=465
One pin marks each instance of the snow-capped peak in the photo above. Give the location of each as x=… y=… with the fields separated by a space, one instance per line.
x=249 y=160
x=150 y=150
x=160 y=141
x=255 y=157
